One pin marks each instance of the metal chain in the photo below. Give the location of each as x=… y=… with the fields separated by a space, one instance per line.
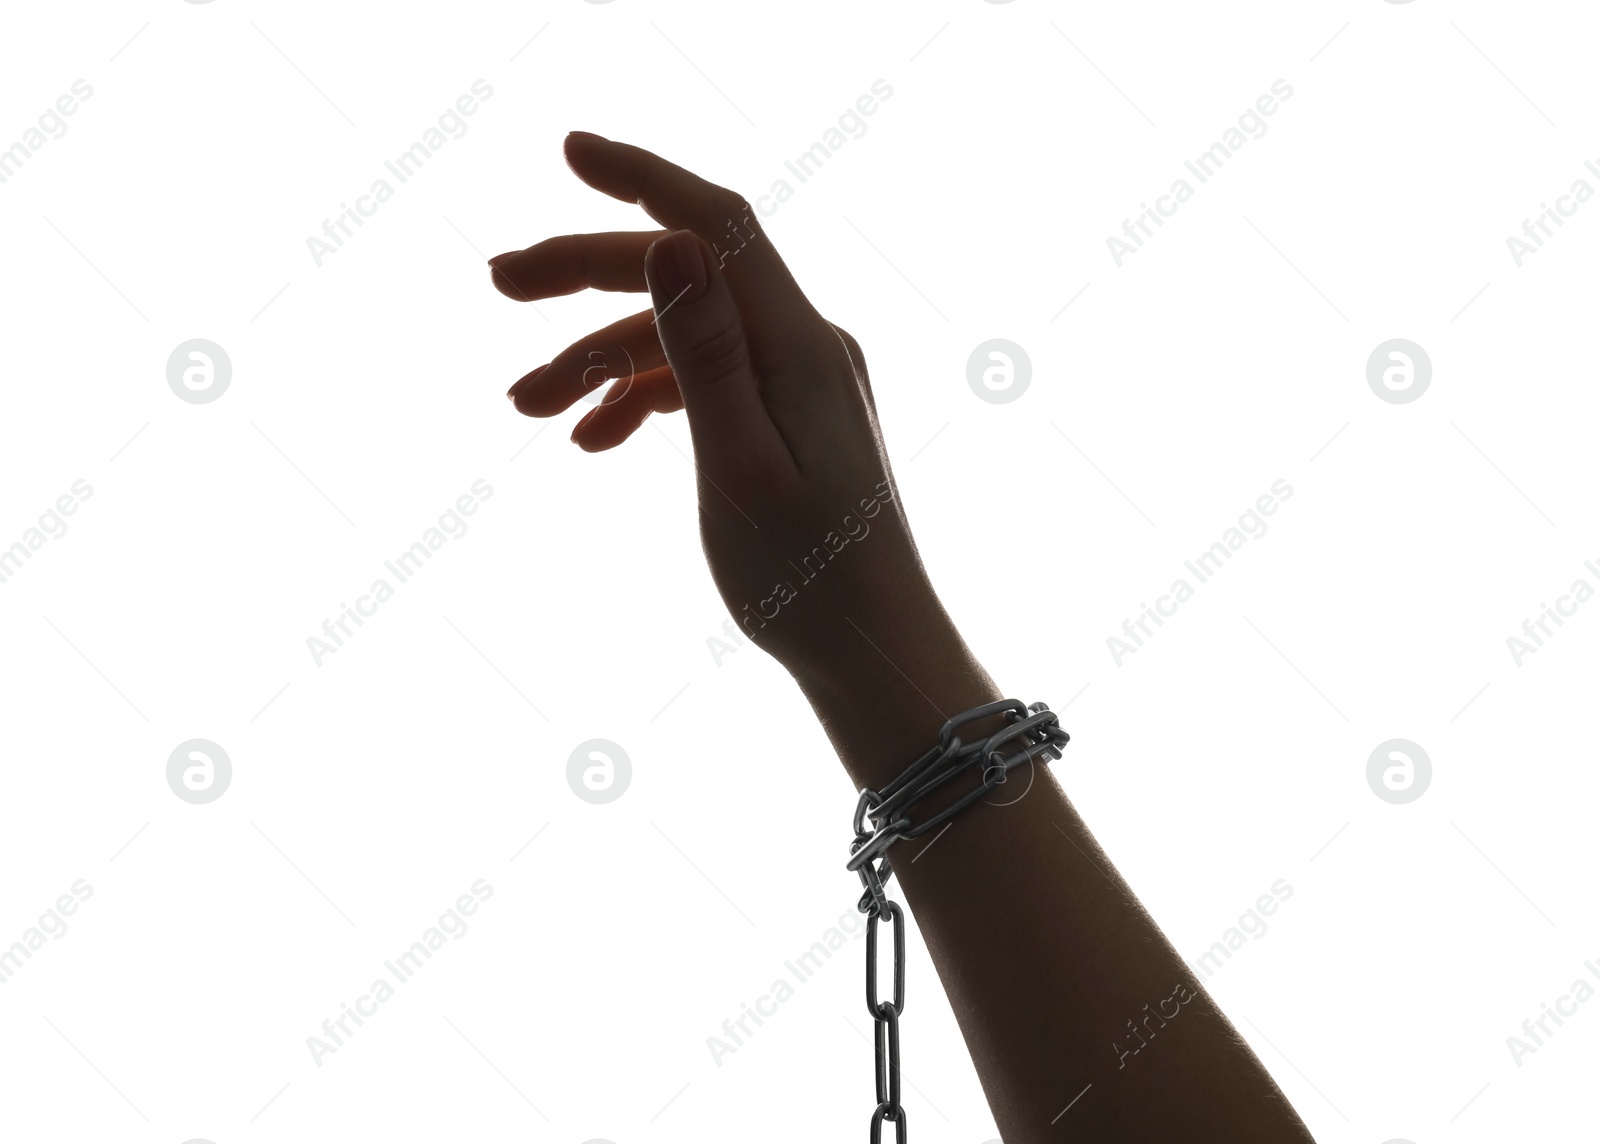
x=1031 y=732
x=886 y=1030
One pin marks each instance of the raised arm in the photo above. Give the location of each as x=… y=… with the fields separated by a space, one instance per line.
x=1082 y=1021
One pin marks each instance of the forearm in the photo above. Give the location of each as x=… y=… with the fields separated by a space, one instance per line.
x=1045 y=955
x=1066 y=991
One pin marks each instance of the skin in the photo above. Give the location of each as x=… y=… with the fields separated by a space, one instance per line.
x=1066 y=991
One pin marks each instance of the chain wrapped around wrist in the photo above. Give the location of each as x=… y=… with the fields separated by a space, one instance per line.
x=1031 y=733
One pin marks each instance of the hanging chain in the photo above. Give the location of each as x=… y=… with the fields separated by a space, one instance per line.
x=1031 y=732
x=886 y=1015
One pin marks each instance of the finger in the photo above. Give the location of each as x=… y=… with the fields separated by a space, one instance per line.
x=572 y=262
x=627 y=405
x=779 y=319
x=621 y=349
x=704 y=338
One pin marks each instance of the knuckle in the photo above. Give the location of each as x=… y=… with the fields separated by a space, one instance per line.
x=858 y=361
x=730 y=204
x=718 y=352
x=730 y=221
x=852 y=347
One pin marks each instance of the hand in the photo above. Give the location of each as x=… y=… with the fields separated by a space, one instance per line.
x=809 y=546
x=799 y=515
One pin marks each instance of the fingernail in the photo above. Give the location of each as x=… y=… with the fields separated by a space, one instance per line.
x=587 y=135
x=511 y=394
x=582 y=421
x=495 y=261
x=681 y=266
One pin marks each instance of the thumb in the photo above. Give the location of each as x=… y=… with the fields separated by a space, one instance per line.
x=700 y=329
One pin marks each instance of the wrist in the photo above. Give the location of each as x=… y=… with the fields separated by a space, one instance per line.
x=885 y=709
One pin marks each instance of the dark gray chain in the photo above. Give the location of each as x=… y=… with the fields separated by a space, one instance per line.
x=1031 y=733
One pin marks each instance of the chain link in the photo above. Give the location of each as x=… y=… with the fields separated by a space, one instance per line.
x=1040 y=736
x=886 y=1018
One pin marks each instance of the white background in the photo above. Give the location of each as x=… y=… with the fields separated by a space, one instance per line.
x=371 y=791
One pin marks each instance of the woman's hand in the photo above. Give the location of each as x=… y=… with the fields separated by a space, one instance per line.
x=809 y=546
x=799 y=515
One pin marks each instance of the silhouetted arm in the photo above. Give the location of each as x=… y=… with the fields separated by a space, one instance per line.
x=1066 y=991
